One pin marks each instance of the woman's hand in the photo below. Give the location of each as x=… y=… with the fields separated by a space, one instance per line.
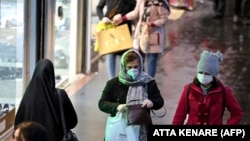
x=106 y=20
x=117 y=19
x=121 y=108
x=147 y=103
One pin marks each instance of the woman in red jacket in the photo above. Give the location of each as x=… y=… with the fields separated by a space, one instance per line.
x=205 y=99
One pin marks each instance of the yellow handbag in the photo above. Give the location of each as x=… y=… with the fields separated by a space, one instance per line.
x=114 y=39
x=100 y=27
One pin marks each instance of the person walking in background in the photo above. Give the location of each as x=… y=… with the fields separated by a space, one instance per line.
x=131 y=84
x=40 y=102
x=149 y=36
x=183 y=4
x=219 y=8
x=113 y=7
x=241 y=11
x=205 y=99
x=30 y=131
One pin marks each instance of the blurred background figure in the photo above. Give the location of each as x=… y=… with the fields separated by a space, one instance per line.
x=219 y=8
x=150 y=31
x=114 y=7
x=242 y=11
x=185 y=4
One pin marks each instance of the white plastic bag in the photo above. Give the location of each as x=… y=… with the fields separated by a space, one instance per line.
x=133 y=132
x=118 y=130
x=115 y=128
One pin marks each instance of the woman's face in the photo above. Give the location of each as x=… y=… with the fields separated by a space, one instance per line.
x=133 y=65
x=17 y=136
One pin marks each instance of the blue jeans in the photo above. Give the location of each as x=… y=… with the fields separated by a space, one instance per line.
x=151 y=63
x=111 y=65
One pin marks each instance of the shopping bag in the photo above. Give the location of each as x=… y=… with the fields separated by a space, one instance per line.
x=138 y=115
x=144 y=37
x=114 y=39
x=148 y=39
x=118 y=130
x=133 y=132
x=100 y=27
x=115 y=128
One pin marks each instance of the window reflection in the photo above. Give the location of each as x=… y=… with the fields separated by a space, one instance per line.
x=11 y=59
x=62 y=36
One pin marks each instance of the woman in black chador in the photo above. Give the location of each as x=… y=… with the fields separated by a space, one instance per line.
x=40 y=102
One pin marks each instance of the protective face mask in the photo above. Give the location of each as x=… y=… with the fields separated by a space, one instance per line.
x=204 y=79
x=133 y=73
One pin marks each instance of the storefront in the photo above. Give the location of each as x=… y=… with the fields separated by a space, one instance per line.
x=60 y=30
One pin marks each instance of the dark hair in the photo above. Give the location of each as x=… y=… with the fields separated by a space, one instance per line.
x=32 y=131
x=130 y=57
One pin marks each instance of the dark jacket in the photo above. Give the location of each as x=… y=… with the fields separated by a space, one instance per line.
x=207 y=110
x=125 y=6
x=40 y=102
x=115 y=93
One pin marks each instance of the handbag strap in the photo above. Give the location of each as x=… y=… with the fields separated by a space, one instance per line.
x=114 y=9
x=61 y=112
x=160 y=116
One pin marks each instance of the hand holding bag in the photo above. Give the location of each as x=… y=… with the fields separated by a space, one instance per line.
x=68 y=135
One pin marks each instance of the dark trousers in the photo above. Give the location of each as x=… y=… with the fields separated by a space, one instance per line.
x=219 y=7
x=237 y=7
x=242 y=9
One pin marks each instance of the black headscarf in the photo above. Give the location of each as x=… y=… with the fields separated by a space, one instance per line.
x=40 y=101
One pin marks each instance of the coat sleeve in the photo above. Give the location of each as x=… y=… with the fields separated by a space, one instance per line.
x=154 y=95
x=99 y=9
x=182 y=108
x=132 y=15
x=107 y=103
x=69 y=111
x=233 y=107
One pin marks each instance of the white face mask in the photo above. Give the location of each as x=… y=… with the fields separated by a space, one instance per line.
x=133 y=73
x=204 y=78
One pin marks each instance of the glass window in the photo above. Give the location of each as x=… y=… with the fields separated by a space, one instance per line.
x=11 y=59
x=62 y=39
